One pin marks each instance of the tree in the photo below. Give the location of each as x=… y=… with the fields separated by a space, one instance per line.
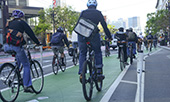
x=42 y=26
x=158 y=21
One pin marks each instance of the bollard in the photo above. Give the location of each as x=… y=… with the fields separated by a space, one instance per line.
x=139 y=75
x=41 y=59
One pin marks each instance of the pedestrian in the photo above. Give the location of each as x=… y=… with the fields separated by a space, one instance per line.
x=17 y=27
x=95 y=16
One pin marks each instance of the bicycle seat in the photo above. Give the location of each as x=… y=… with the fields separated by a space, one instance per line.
x=11 y=52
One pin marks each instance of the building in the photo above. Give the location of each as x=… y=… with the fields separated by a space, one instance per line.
x=134 y=22
x=119 y=23
x=17 y=4
x=161 y=4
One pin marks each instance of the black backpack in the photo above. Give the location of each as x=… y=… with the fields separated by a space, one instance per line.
x=56 y=38
x=131 y=36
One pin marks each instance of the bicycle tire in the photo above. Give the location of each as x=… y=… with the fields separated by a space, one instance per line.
x=63 y=67
x=37 y=76
x=99 y=84
x=122 y=64
x=11 y=88
x=55 y=66
x=131 y=55
x=87 y=81
x=75 y=58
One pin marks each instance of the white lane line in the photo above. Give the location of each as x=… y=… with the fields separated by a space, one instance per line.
x=129 y=82
x=113 y=87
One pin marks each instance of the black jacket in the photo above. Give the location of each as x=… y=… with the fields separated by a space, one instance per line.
x=22 y=26
x=96 y=16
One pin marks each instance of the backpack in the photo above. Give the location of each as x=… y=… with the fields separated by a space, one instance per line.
x=56 y=38
x=131 y=36
x=149 y=37
x=14 y=37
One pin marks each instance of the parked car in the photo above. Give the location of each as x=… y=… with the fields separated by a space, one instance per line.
x=113 y=43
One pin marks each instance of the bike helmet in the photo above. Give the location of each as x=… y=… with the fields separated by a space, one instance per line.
x=17 y=14
x=91 y=3
x=121 y=29
x=131 y=29
x=60 y=29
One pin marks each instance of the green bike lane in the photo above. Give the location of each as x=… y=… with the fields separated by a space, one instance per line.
x=65 y=86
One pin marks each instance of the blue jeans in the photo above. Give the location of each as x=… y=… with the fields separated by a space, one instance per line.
x=95 y=43
x=134 y=47
x=21 y=58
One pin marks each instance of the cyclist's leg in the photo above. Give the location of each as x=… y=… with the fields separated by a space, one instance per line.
x=125 y=52
x=82 y=52
x=61 y=50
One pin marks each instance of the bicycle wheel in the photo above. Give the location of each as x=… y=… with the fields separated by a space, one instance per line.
x=98 y=83
x=37 y=76
x=122 y=64
x=9 y=81
x=131 y=55
x=55 y=66
x=63 y=67
x=87 y=81
x=75 y=58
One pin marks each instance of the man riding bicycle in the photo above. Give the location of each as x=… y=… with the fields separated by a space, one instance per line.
x=17 y=27
x=57 y=43
x=132 y=39
x=149 y=41
x=122 y=40
x=95 y=16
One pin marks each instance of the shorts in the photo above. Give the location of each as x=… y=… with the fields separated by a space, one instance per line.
x=56 y=48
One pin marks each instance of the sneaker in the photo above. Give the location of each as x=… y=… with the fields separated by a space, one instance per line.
x=80 y=78
x=126 y=63
x=28 y=89
x=100 y=75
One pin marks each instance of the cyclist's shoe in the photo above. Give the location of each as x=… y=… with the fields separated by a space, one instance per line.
x=28 y=89
x=126 y=63
x=80 y=78
x=134 y=56
x=100 y=75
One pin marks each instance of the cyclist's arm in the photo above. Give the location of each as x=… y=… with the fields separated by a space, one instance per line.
x=30 y=33
x=66 y=41
x=104 y=25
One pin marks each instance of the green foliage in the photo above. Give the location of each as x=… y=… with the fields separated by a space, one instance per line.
x=157 y=21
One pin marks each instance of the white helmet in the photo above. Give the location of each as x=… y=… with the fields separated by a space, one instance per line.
x=91 y=2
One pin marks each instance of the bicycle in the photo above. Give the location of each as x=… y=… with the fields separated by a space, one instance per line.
x=122 y=58
x=107 y=50
x=75 y=56
x=130 y=46
x=11 y=80
x=89 y=75
x=57 y=62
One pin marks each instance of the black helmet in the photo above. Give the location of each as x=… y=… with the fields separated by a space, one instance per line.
x=60 y=29
x=121 y=29
x=131 y=29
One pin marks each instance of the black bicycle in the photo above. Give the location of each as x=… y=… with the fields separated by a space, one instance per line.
x=107 y=49
x=75 y=56
x=122 y=58
x=89 y=75
x=130 y=45
x=57 y=62
x=11 y=80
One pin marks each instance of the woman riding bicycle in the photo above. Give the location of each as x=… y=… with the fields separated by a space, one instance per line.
x=18 y=26
x=95 y=16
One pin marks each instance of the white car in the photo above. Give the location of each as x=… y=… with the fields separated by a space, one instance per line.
x=113 y=43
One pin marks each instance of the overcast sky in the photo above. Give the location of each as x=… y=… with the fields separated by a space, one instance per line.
x=113 y=9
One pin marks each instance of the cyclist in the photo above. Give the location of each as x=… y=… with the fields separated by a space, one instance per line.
x=122 y=40
x=132 y=39
x=140 y=40
x=20 y=26
x=57 y=43
x=95 y=16
x=149 y=41
x=155 y=41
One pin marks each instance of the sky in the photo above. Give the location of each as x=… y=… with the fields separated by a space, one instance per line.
x=113 y=9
